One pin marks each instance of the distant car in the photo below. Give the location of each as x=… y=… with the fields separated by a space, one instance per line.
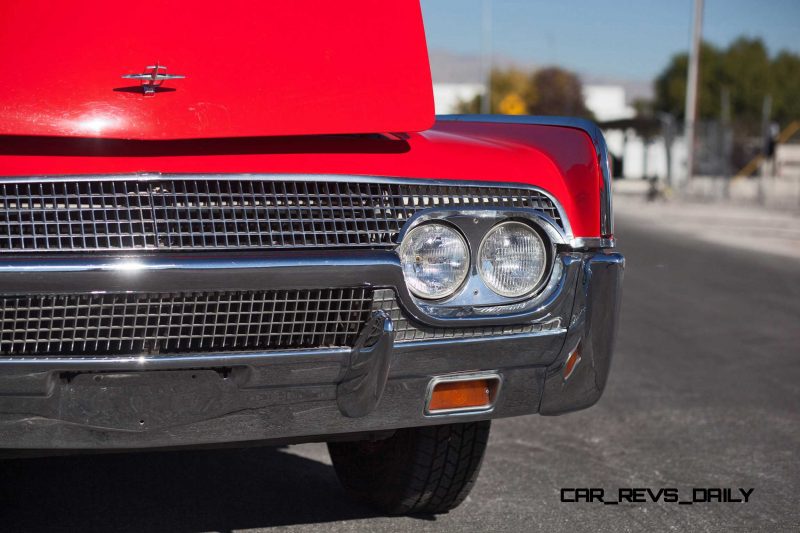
x=241 y=222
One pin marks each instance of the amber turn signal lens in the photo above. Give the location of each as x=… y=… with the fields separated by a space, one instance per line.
x=572 y=361
x=471 y=394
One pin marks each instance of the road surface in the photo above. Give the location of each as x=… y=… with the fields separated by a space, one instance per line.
x=704 y=393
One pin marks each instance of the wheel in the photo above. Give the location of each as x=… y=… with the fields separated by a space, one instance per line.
x=416 y=470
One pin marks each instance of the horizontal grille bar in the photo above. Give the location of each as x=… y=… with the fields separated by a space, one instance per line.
x=196 y=214
x=143 y=324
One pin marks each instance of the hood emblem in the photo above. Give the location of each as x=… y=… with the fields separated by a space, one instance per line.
x=152 y=78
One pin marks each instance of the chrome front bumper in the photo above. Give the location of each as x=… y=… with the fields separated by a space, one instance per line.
x=379 y=385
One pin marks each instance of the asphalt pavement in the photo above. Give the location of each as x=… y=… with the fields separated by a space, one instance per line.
x=704 y=393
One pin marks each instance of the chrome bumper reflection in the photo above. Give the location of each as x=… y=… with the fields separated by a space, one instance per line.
x=100 y=403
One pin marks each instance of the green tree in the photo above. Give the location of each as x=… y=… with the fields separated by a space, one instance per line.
x=786 y=87
x=748 y=74
x=559 y=92
x=670 y=85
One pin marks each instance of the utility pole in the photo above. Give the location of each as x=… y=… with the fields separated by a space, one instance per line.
x=766 y=114
x=691 y=86
x=668 y=131
x=486 y=56
x=725 y=140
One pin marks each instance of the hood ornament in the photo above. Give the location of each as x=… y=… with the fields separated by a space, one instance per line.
x=152 y=78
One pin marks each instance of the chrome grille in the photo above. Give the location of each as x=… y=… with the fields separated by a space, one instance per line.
x=198 y=213
x=405 y=331
x=135 y=324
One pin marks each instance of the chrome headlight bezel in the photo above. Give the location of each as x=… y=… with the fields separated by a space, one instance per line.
x=474 y=299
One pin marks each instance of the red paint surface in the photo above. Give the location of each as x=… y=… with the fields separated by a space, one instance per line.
x=253 y=68
x=558 y=159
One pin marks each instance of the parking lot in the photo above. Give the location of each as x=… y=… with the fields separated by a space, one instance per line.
x=704 y=393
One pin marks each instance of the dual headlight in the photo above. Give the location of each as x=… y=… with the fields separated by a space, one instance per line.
x=512 y=260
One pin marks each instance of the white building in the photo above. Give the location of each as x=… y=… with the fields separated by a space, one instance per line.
x=446 y=96
x=787 y=160
x=640 y=157
x=607 y=102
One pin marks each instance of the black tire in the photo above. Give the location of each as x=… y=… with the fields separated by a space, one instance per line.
x=417 y=470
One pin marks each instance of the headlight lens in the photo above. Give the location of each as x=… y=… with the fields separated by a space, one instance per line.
x=435 y=260
x=512 y=259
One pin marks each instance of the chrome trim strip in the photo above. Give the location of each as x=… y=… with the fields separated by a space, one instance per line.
x=587 y=126
x=492 y=375
x=594 y=242
x=487 y=338
x=199 y=272
x=167 y=361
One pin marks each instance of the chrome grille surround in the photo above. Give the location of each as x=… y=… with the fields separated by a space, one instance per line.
x=187 y=212
x=145 y=324
x=405 y=331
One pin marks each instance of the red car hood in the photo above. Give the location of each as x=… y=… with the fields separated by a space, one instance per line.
x=251 y=68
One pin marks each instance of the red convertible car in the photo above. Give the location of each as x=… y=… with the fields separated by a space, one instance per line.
x=241 y=222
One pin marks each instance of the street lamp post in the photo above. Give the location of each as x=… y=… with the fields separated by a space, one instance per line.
x=486 y=56
x=691 y=86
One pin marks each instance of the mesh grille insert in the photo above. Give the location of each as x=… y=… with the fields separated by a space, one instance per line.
x=135 y=324
x=186 y=214
x=406 y=331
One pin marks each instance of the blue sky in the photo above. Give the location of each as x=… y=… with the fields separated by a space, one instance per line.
x=628 y=39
